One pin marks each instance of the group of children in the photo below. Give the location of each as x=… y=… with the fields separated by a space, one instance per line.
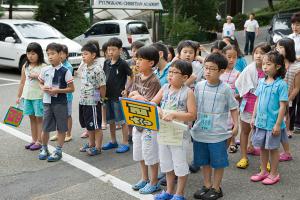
x=215 y=96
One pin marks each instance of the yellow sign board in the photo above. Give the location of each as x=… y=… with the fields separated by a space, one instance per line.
x=140 y=113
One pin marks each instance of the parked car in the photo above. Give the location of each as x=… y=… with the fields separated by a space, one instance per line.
x=15 y=35
x=280 y=27
x=127 y=30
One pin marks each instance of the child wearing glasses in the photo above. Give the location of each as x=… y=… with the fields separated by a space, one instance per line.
x=214 y=99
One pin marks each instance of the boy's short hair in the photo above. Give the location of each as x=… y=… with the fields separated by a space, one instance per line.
x=90 y=48
x=183 y=66
x=186 y=43
x=55 y=47
x=161 y=47
x=65 y=49
x=96 y=43
x=115 y=42
x=295 y=18
x=148 y=53
x=137 y=44
x=217 y=58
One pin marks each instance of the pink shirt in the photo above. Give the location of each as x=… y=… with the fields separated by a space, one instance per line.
x=230 y=78
x=251 y=98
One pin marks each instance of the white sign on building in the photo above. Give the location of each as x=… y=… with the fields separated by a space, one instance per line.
x=128 y=4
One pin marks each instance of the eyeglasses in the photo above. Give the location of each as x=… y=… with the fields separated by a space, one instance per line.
x=211 y=69
x=173 y=72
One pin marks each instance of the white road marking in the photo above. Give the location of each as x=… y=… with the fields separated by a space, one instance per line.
x=101 y=175
x=8 y=79
x=8 y=84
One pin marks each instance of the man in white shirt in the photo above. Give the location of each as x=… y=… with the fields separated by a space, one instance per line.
x=251 y=31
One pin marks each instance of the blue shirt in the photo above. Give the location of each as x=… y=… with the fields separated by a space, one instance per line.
x=213 y=105
x=68 y=65
x=269 y=97
x=240 y=64
x=163 y=77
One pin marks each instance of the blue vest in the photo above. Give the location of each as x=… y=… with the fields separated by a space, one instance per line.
x=60 y=80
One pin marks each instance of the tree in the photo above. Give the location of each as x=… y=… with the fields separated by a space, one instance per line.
x=65 y=15
x=270 y=3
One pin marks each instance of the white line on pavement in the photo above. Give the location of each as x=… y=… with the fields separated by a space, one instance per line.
x=7 y=84
x=107 y=178
x=8 y=79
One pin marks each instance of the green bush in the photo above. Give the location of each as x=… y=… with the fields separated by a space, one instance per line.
x=239 y=21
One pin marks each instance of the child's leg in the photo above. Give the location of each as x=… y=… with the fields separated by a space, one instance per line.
x=286 y=147
x=264 y=159
x=218 y=175
x=70 y=122
x=245 y=131
x=98 y=138
x=60 y=138
x=125 y=133
x=274 y=155
x=144 y=171
x=91 y=138
x=170 y=176
x=45 y=138
x=39 y=125
x=154 y=174
x=33 y=127
x=206 y=172
x=112 y=128
x=181 y=185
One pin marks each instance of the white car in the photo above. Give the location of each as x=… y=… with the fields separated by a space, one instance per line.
x=127 y=30
x=15 y=35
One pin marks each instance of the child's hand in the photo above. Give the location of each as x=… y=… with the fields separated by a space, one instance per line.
x=18 y=100
x=124 y=93
x=45 y=88
x=169 y=117
x=139 y=97
x=235 y=131
x=276 y=130
x=53 y=91
x=160 y=112
x=252 y=122
x=133 y=93
x=33 y=75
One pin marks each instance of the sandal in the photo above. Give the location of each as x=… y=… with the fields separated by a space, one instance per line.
x=243 y=163
x=233 y=148
x=139 y=185
x=149 y=189
x=285 y=157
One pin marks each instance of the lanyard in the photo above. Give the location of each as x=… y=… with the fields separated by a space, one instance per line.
x=229 y=77
x=169 y=97
x=212 y=109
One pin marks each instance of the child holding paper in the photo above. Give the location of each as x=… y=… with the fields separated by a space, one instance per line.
x=177 y=103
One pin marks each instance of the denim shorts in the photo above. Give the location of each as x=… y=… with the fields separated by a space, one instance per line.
x=33 y=107
x=114 y=112
x=212 y=154
x=265 y=139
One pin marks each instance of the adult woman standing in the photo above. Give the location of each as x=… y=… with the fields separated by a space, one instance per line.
x=251 y=31
x=228 y=27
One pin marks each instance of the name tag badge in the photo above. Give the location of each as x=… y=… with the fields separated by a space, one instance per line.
x=228 y=33
x=261 y=120
x=206 y=122
x=243 y=105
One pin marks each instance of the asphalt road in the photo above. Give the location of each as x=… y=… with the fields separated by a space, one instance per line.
x=109 y=175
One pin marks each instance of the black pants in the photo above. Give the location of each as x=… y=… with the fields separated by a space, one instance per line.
x=250 y=37
x=294 y=112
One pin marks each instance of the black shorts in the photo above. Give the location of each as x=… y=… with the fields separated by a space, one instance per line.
x=90 y=117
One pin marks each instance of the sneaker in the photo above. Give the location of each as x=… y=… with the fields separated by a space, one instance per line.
x=122 y=148
x=259 y=177
x=285 y=157
x=163 y=196
x=139 y=185
x=35 y=147
x=199 y=194
x=44 y=153
x=27 y=146
x=212 y=194
x=93 y=151
x=178 y=197
x=163 y=181
x=193 y=168
x=84 y=134
x=55 y=156
x=109 y=146
x=84 y=147
x=271 y=180
x=53 y=138
x=149 y=189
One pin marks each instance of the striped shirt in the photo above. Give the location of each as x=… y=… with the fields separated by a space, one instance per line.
x=291 y=72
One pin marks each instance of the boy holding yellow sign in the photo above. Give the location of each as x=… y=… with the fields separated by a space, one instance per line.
x=177 y=103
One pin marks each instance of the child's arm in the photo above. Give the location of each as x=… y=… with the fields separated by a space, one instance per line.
x=191 y=80
x=235 y=115
x=70 y=85
x=102 y=90
x=157 y=100
x=276 y=128
x=21 y=86
x=190 y=115
x=296 y=88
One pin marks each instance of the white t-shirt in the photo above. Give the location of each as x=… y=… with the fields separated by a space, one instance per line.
x=296 y=38
x=228 y=29
x=251 y=25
